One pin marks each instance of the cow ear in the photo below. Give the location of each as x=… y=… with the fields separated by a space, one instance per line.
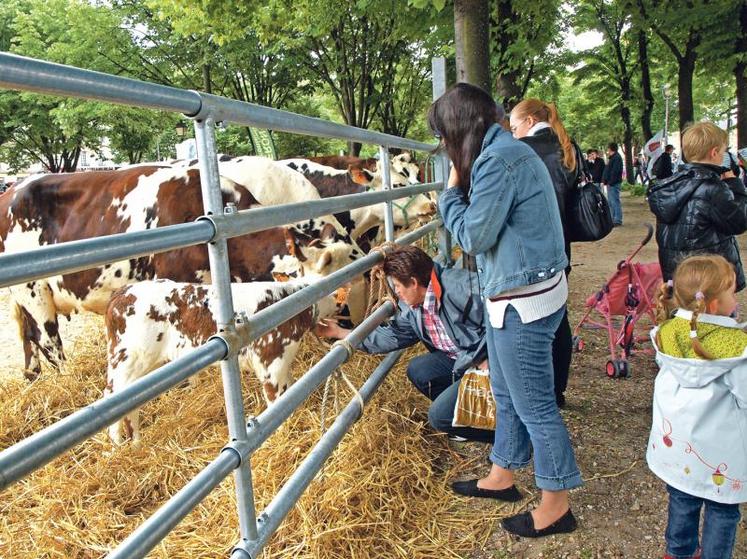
x=358 y=175
x=291 y=242
x=328 y=232
x=368 y=174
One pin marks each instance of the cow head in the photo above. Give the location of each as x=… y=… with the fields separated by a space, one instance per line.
x=321 y=247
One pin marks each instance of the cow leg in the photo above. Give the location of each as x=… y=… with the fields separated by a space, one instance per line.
x=119 y=376
x=276 y=378
x=36 y=316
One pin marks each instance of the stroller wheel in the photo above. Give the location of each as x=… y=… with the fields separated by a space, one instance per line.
x=578 y=344
x=623 y=368
x=611 y=369
x=617 y=368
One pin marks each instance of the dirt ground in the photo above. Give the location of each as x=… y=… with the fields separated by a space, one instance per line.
x=622 y=507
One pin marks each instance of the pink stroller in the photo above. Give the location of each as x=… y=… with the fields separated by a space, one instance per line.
x=629 y=293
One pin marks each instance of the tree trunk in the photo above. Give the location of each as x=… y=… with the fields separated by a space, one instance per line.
x=739 y=70
x=206 y=81
x=628 y=134
x=648 y=98
x=685 y=92
x=508 y=89
x=471 y=35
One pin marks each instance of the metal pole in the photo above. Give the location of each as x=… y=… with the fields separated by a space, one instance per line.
x=219 y=271
x=289 y=494
x=438 y=73
x=24 y=457
x=666 y=114
x=386 y=180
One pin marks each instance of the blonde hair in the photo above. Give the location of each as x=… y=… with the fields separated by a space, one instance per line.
x=700 y=138
x=698 y=280
x=546 y=112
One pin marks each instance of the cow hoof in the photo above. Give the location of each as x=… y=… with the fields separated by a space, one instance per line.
x=31 y=375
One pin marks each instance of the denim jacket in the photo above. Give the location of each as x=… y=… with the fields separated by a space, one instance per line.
x=511 y=221
x=461 y=311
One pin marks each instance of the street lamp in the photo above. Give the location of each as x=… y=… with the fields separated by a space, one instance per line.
x=666 y=93
x=180 y=129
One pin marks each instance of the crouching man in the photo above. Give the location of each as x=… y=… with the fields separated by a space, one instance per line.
x=442 y=309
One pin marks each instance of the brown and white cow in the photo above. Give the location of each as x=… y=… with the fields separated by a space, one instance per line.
x=153 y=322
x=49 y=209
x=331 y=182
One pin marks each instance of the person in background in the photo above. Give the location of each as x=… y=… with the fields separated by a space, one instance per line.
x=596 y=165
x=612 y=179
x=698 y=440
x=500 y=206
x=702 y=206
x=663 y=166
x=442 y=308
x=538 y=125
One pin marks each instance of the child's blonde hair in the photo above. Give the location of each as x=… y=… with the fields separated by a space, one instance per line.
x=700 y=138
x=698 y=280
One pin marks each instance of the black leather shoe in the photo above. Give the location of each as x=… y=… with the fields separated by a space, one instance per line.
x=469 y=488
x=523 y=525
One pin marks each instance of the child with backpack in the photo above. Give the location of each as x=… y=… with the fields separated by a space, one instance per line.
x=698 y=440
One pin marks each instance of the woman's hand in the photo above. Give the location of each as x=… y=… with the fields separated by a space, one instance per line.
x=329 y=329
x=483 y=365
x=453 y=177
x=728 y=175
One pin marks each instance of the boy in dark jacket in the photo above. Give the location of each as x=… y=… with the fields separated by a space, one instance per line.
x=701 y=207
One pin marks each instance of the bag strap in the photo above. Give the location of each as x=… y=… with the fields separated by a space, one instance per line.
x=583 y=176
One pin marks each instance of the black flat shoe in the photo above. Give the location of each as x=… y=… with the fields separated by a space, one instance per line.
x=523 y=525
x=469 y=489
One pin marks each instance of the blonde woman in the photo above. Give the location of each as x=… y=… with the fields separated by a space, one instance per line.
x=538 y=125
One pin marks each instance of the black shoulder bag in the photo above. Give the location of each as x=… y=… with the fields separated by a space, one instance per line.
x=588 y=213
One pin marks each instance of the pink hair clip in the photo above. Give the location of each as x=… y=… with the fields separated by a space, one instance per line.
x=670 y=283
x=699 y=296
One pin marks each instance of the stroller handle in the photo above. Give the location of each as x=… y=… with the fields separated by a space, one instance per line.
x=648 y=235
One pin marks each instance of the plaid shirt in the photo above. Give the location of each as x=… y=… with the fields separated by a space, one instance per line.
x=432 y=322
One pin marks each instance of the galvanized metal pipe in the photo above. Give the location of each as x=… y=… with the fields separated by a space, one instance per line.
x=150 y=533
x=270 y=317
x=260 y=428
x=258 y=219
x=147 y=536
x=212 y=199
x=33 y=452
x=289 y=494
x=386 y=179
x=28 y=74
x=444 y=237
x=249 y=114
x=74 y=256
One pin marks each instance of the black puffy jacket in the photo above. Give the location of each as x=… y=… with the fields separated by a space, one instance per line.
x=697 y=212
x=545 y=143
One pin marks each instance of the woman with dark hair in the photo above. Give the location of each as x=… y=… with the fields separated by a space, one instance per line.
x=501 y=207
x=538 y=125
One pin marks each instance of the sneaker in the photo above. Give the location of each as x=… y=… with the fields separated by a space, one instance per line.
x=457 y=438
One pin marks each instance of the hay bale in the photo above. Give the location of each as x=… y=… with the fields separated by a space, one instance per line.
x=383 y=493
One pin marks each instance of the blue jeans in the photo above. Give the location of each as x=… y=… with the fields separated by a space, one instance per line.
x=719 y=526
x=441 y=414
x=521 y=376
x=431 y=373
x=613 y=197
